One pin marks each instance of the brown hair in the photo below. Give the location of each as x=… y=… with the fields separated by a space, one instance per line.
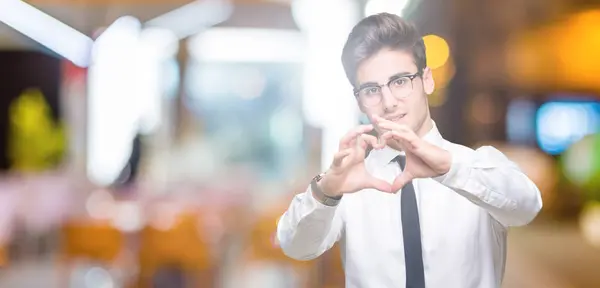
x=377 y=32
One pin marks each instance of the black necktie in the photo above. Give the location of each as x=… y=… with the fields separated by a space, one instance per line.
x=411 y=232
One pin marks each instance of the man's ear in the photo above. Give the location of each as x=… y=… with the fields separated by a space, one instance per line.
x=428 y=82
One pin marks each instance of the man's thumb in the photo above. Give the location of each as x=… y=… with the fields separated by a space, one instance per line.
x=401 y=181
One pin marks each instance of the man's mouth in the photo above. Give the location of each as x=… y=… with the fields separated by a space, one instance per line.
x=396 y=117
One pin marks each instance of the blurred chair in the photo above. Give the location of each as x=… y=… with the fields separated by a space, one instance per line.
x=182 y=245
x=3 y=256
x=89 y=240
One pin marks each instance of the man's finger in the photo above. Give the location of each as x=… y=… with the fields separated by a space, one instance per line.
x=370 y=140
x=404 y=138
x=339 y=157
x=378 y=184
x=348 y=140
x=393 y=135
x=391 y=126
x=401 y=181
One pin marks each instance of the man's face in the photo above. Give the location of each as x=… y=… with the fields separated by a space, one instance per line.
x=398 y=102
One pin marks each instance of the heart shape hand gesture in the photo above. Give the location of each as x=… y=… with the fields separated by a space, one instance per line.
x=423 y=159
x=348 y=173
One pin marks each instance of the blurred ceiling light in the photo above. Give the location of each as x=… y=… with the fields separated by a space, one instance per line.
x=247 y=45
x=163 y=42
x=126 y=83
x=193 y=17
x=125 y=28
x=114 y=110
x=46 y=30
x=390 y=6
x=437 y=50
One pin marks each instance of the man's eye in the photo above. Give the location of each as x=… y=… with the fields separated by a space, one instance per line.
x=400 y=82
x=371 y=90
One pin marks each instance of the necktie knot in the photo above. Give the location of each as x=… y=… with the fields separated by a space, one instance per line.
x=401 y=160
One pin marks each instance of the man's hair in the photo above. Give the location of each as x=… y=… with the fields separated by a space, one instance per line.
x=377 y=32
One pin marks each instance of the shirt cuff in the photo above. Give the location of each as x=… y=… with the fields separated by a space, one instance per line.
x=317 y=206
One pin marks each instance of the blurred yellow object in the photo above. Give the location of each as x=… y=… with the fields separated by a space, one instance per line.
x=92 y=240
x=36 y=142
x=3 y=256
x=437 y=50
x=184 y=244
x=263 y=240
x=89 y=240
x=442 y=67
x=561 y=56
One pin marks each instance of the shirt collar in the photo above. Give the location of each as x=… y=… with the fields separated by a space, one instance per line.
x=388 y=153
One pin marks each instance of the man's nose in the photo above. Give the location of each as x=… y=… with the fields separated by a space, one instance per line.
x=390 y=102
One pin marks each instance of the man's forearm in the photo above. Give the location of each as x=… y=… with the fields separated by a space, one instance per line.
x=308 y=228
x=490 y=180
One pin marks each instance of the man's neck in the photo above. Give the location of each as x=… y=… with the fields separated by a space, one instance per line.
x=425 y=128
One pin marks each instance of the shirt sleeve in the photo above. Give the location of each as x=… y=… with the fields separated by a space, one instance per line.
x=489 y=179
x=308 y=228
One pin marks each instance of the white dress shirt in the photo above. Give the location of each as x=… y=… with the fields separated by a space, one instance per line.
x=464 y=217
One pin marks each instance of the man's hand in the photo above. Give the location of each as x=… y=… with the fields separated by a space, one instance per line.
x=423 y=159
x=347 y=173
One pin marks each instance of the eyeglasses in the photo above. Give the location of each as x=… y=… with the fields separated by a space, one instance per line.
x=401 y=87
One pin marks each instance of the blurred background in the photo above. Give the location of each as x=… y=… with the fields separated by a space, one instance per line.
x=156 y=143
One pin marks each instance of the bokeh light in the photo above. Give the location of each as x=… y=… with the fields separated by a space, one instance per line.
x=437 y=50
x=590 y=223
x=561 y=123
x=581 y=164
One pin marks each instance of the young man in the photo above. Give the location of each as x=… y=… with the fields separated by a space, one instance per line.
x=419 y=211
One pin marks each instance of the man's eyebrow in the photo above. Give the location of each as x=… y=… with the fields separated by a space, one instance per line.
x=368 y=84
x=398 y=75
x=393 y=77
